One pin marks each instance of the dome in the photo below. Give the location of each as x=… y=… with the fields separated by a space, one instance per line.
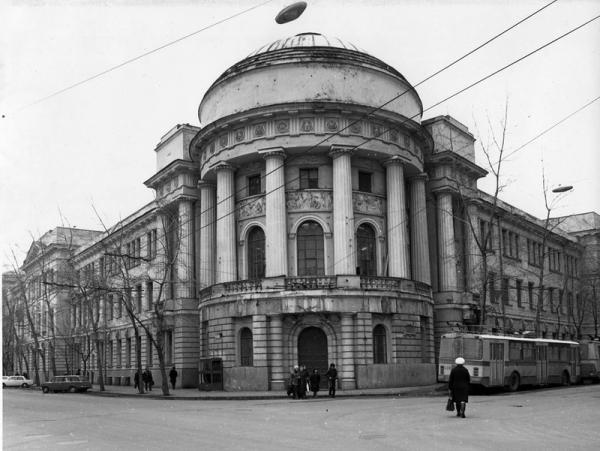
x=306 y=40
x=308 y=67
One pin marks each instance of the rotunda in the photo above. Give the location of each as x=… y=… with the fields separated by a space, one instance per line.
x=313 y=240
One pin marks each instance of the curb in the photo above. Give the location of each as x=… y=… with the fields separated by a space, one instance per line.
x=400 y=394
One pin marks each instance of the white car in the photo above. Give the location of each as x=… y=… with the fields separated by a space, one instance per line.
x=16 y=381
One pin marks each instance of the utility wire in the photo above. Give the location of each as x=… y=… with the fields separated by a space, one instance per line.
x=143 y=55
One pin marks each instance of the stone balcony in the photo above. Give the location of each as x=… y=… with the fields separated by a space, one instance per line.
x=306 y=284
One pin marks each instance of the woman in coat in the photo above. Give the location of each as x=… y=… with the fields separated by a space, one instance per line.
x=458 y=386
x=315 y=381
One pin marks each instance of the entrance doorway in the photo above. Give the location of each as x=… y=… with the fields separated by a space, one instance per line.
x=312 y=351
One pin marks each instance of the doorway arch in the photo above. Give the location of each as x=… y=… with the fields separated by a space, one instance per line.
x=312 y=351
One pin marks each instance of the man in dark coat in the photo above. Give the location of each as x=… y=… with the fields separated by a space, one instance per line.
x=315 y=381
x=303 y=380
x=147 y=379
x=332 y=379
x=458 y=386
x=293 y=382
x=173 y=376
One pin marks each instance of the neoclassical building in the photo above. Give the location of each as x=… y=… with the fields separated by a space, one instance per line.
x=318 y=219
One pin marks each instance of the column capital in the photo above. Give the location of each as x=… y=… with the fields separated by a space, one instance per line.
x=422 y=176
x=223 y=166
x=272 y=152
x=336 y=150
x=395 y=160
x=203 y=184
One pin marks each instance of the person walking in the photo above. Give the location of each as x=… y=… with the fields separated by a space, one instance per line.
x=136 y=380
x=302 y=381
x=147 y=379
x=458 y=386
x=331 y=379
x=293 y=382
x=315 y=381
x=173 y=376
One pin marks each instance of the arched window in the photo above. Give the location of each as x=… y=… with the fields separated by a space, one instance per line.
x=246 y=347
x=379 y=344
x=256 y=253
x=366 y=260
x=310 y=249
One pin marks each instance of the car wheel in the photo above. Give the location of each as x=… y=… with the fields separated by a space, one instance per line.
x=514 y=381
x=25 y=385
x=72 y=390
x=45 y=389
x=565 y=379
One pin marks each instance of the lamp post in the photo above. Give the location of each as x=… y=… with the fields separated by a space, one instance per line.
x=548 y=205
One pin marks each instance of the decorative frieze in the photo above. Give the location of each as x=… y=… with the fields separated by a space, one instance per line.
x=309 y=200
x=368 y=204
x=251 y=207
x=273 y=125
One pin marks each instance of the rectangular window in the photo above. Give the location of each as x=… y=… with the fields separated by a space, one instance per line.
x=128 y=352
x=149 y=295
x=519 y=288
x=364 y=182
x=309 y=178
x=119 y=351
x=505 y=296
x=254 y=185
x=151 y=238
x=138 y=298
x=551 y=302
x=561 y=301
x=110 y=314
x=148 y=351
x=485 y=234
x=120 y=307
x=530 y=295
x=169 y=347
x=492 y=287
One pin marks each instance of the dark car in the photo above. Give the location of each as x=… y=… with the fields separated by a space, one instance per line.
x=70 y=383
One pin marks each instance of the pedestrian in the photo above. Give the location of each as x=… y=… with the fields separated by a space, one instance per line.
x=331 y=379
x=458 y=386
x=25 y=375
x=302 y=382
x=136 y=380
x=315 y=381
x=173 y=376
x=147 y=379
x=293 y=382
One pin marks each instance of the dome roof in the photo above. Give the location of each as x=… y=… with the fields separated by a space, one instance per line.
x=306 y=40
x=308 y=68
x=303 y=47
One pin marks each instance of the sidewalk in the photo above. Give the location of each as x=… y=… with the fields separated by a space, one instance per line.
x=195 y=394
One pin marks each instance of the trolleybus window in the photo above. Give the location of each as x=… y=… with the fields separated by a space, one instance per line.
x=514 y=351
x=467 y=348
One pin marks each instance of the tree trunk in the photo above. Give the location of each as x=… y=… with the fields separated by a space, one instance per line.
x=99 y=362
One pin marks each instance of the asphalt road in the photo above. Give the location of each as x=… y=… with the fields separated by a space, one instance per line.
x=546 y=419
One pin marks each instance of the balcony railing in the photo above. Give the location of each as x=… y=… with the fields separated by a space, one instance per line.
x=310 y=283
x=313 y=283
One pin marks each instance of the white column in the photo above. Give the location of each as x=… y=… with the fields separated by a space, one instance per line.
x=278 y=371
x=419 y=242
x=276 y=215
x=346 y=365
x=185 y=256
x=446 y=250
x=473 y=257
x=398 y=258
x=226 y=266
x=207 y=234
x=343 y=212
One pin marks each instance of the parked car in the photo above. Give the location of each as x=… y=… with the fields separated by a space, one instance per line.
x=16 y=381
x=70 y=383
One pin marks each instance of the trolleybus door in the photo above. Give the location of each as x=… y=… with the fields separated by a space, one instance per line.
x=496 y=364
x=542 y=364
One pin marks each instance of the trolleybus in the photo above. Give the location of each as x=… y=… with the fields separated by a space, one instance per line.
x=508 y=361
x=589 y=352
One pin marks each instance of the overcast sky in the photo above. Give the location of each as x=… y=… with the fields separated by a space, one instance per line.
x=93 y=145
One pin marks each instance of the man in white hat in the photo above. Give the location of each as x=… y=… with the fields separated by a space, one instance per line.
x=458 y=386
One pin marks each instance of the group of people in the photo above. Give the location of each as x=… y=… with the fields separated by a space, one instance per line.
x=301 y=381
x=148 y=381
